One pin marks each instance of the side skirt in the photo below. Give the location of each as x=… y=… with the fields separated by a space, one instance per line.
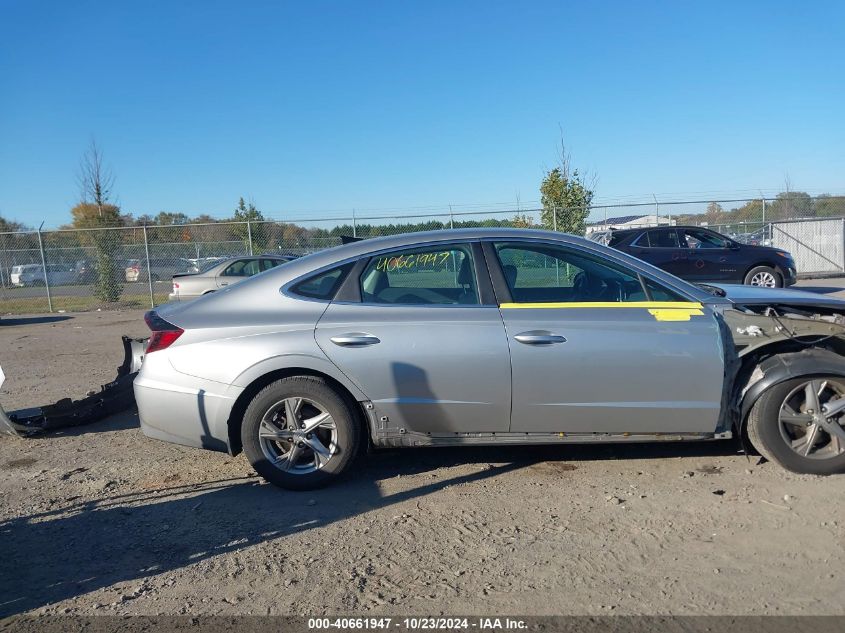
x=385 y=436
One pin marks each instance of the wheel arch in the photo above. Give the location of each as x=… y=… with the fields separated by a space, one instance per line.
x=782 y=364
x=236 y=415
x=768 y=264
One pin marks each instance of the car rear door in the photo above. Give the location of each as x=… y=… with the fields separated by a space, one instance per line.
x=423 y=339
x=595 y=348
x=660 y=247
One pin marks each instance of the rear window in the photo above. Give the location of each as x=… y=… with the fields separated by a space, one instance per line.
x=322 y=285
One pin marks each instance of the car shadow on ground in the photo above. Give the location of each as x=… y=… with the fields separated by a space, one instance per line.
x=34 y=320
x=79 y=548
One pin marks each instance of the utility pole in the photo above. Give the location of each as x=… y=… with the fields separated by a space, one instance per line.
x=44 y=268
x=149 y=273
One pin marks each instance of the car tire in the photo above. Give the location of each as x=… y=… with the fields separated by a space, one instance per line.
x=336 y=441
x=760 y=275
x=771 y=437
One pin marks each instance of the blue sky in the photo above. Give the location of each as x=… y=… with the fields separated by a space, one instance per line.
x=315 y=108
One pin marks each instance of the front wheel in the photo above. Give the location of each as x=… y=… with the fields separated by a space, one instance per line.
x=796 y=424
x=299 y=433
x=763 y=276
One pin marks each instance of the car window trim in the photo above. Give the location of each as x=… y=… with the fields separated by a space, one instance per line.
x=503 y=293
x=661 y=248
x=484 y=289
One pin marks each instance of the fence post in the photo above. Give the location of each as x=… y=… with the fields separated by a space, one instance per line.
x=554 y=218
x=149 y=273
x=249 y=235
x=44 y=268
x=657 y=212
x=451 y=218
x=842 y=241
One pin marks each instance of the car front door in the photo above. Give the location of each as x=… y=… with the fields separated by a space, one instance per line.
x=596 y=348
x=423 y=340
x=709 y=255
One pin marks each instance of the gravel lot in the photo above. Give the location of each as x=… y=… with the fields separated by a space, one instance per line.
x=100 y=520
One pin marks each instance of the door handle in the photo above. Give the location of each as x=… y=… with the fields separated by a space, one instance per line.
x=224 y=283
x=539 y=337
x=354 y=340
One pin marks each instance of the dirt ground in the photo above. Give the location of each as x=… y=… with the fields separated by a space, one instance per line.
x=101 y=520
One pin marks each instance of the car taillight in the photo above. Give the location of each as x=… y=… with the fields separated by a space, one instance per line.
x=175 y=286
x=163 y=333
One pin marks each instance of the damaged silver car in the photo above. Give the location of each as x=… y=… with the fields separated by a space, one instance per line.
x=490 y=336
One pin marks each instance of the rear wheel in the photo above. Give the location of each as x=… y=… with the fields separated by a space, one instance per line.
x=792 y=425
x=763 y=276
x=299 y=433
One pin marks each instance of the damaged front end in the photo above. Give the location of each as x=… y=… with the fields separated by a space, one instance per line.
x=776 y=342
x=112 y=398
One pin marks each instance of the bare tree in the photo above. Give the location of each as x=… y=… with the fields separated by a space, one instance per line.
x=95 y=180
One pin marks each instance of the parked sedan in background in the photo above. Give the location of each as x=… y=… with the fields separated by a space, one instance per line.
x=489 y=336
x=33 y=275
x=701 y=255
x=161 y=269
x=220 y=274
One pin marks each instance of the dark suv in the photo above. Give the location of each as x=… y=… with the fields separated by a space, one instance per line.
x=701 y=255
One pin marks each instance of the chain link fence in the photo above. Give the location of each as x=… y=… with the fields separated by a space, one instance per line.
x=133 y=267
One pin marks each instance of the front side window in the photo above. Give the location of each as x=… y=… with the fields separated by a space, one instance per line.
x=242 y=268
x=541 y=273
x=442 y=275
x=692 y=238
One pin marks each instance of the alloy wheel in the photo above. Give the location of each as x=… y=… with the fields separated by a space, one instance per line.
x=298 y=435
x=806 y=424
x=764 y=279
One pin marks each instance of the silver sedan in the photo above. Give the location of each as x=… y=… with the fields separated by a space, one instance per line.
x=499 y=336
x=222 y=273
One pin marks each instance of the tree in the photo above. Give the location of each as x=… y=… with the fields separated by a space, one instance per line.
x=790 y=205
x=566 y=196
x=523 y=221
x=714 y=213
x=254 y=231
x=827 y=206
x=94 y=211
x=10 y=226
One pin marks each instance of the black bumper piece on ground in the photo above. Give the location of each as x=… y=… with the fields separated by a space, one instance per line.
x=113 y=397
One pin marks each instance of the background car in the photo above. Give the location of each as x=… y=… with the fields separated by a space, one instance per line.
x=33 y=275
x=701 y=255
x=220 y=274
x=161 y=269
x=489 y=336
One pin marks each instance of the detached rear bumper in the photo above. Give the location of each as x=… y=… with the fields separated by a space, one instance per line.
x=182 y=409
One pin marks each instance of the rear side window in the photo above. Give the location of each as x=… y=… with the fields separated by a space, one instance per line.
x=659 y=239
x=434 y=276
x=322 y=285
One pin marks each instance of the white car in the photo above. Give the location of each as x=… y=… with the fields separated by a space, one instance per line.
x=33 y=275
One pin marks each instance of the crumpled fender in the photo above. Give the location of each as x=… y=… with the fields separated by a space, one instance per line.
x=113 y=397
x=782 y=367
